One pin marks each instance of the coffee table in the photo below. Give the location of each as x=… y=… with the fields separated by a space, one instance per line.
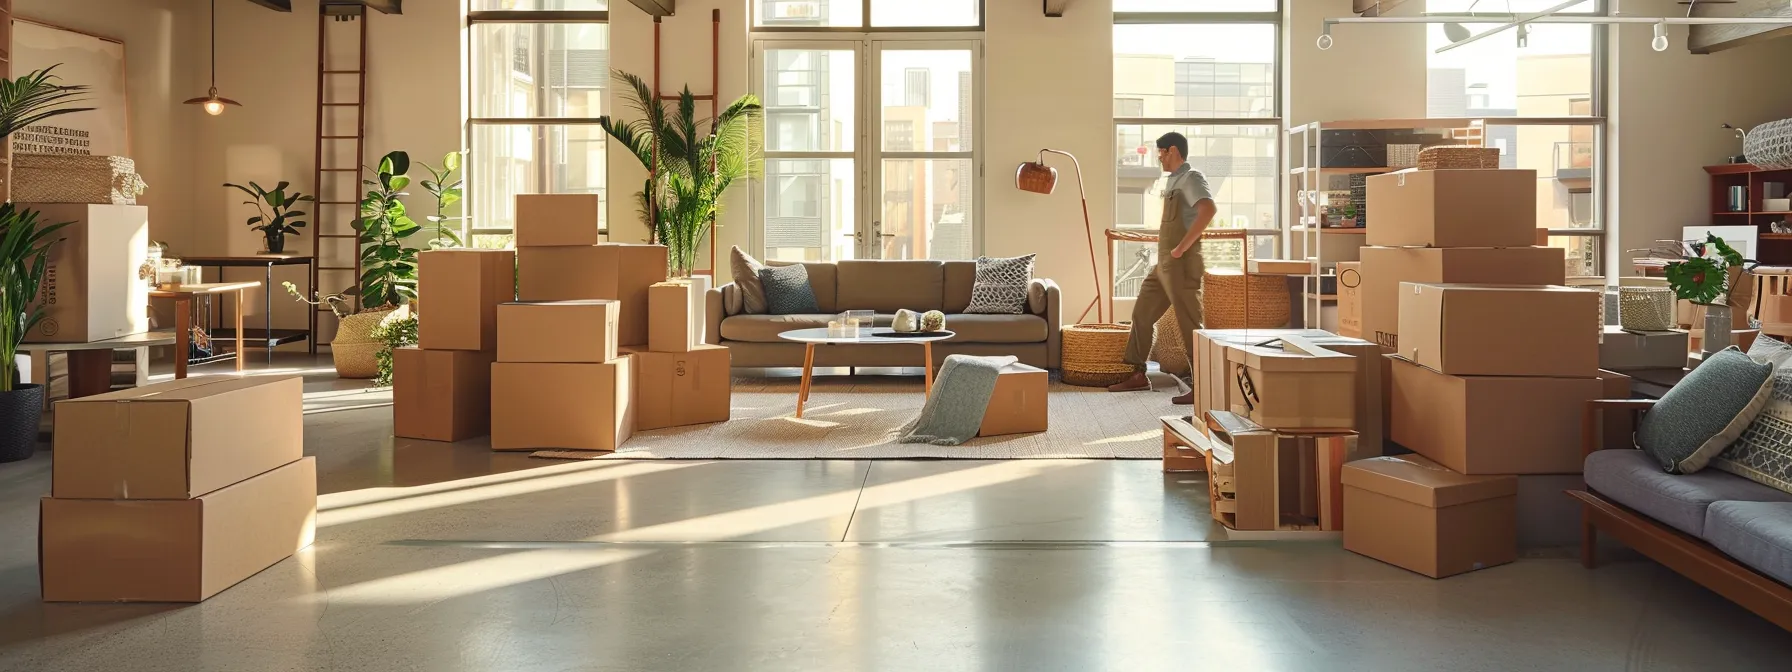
x=819 y=336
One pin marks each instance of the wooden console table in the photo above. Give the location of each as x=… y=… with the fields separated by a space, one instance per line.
x=90 y=363
x=183 y=317
x=267 y=337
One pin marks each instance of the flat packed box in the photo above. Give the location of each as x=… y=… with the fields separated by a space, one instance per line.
x=675 y=389
x=1621 y=350
x=1018 y=404
x=1350 y=299
x=1453 y=208
x=607 y=271
x=573 y=332
x=1384 y=268
x=573 y=406
x=1268 y=480
x=557 y=219
x=1215 y=383
x=1494 y=424
x=441 y=395
x=1299 y=385
x=175 y=440
x=1413 y=513
x=1500 y=330
x=462 y=289
x=182 y=550
x=670 y=327
x=91 y=289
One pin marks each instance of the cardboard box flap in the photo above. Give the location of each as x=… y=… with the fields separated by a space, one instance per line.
x=173 y=389
x=1319 y=337
x=1224 y=425
x=1291 y=353
x=1418 y=480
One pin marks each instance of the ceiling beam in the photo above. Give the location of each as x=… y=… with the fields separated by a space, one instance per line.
x=656 y=7
x=1713 y=39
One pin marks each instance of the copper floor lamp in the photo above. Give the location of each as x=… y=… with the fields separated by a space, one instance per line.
x=1036 y=177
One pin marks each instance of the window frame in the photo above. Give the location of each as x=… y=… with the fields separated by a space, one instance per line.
x=865 y=25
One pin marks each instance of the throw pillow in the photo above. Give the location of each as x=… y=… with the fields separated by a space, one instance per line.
x=1706 y=412
x=1764 y=452
x=746 y=275
x=1001 y=285
x=787 y=290
x=1769 y=349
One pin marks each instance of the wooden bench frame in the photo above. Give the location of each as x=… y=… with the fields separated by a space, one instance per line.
x=1687 y=555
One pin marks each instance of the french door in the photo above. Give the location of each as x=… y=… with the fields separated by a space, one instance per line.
x=870 y=149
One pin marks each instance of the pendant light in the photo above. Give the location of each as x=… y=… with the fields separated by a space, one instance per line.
x=212 y=102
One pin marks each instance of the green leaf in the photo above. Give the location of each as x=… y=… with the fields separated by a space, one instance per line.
x=451 y=162
x=399 y=182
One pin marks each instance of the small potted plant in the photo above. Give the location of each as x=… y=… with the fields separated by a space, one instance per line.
x=276 y=218
x=1709 y=276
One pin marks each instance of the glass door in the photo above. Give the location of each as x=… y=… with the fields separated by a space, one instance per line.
x=924 y=168
x=806 y=207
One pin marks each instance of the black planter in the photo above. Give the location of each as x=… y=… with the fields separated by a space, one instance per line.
x=20 y=412
x=276 y=243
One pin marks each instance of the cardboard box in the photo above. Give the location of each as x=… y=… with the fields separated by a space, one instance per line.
x=1384 y=268
x=1492 y=424
x=1018 y=405
x=1299 y=385
x=1281 y=267
x=1331 y=452
x=1180 y=452
x=441 y=395
x=1453 y=208
x=574 y=406
x=608 y=271
x=1242 y=458
x=675 y=389
x=1350 y=299
x=184 y=550
x=175 y=440
x=461 y=290
x=91 y=289
x=669 y=324
x=1213 y=380
x=572 y=332
x=557 y=219
x=1621 y=350
x=1410 y=512
x=1500 y=330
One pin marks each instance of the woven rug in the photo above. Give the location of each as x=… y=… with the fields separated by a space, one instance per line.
x=858 y=418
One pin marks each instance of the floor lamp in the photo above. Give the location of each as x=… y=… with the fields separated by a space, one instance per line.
x=1036 y=177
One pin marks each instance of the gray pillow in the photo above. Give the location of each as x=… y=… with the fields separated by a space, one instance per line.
x=1706 y=412
x=1764 y=452
x=1769 y=349
x=746 y=275
x=787 y=290
x=1001 y=285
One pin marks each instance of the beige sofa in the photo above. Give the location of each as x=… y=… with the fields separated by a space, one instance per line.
x=885 y=287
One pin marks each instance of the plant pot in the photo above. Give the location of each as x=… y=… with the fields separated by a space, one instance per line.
x=275 y=242
x=20 y=412
x=1717 y=329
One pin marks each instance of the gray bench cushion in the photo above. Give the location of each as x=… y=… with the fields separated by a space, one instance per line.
x=1757 y=534
x=1633 y=479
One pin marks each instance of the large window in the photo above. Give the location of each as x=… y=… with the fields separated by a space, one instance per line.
x=535 y=91
x=1206 y=69
x=800 y=15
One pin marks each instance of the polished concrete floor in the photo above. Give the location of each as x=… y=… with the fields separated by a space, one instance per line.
x=445 y=558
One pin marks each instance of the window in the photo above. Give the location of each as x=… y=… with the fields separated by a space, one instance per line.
x=535 y=91
x=812 y=14
x=1206 y=69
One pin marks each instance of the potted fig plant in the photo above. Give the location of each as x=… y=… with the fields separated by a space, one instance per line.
x=1709 y=276
x=276 y=218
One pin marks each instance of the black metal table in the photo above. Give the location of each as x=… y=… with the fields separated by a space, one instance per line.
x=267 y=337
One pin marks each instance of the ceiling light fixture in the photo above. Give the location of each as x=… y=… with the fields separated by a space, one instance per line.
x=1524 y=36
x=1325 y=38
x=1660 y=43
x=212 y=102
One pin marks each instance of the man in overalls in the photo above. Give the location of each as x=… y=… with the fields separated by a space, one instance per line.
x=1176 y=280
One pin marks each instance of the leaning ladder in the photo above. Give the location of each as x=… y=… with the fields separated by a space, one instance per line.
x=336 y=186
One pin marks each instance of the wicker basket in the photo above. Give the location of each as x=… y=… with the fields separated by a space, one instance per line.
x=1646 y=308
x=1403 y=156
x=69 y=178
x=1223 y=300
x=1168 y=348
x=1459 y=157
x=1095 y=354
x=353 y=349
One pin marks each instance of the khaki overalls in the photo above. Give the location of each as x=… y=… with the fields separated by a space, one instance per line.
x=1172 y=283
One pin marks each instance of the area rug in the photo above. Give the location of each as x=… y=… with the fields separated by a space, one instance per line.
x=858 y=418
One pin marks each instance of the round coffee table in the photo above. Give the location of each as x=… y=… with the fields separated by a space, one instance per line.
x=819 y=336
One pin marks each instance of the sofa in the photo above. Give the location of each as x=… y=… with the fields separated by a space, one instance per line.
x=1729 y=534
x=885 y=287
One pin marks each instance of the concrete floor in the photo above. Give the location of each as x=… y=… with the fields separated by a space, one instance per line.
x=447 y=558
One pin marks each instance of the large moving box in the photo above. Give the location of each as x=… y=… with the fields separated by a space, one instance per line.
x=1384 y=268
x=674 y=389
x=670 y=327
x=461 y=290
x=574 y=406
x=92 y=289
x=1621 y=350
x=441 y=395
x=557 y=219
x=1018 y=404
x=1410 y=512
x=1500 y=330
x=180 y=550
x=175 y=440
x=1350 y=299
x=1297 y=386
x=1494 y=424
x=1214 y=381
x=572 y=332
x=1453 y=208
x=607 y=271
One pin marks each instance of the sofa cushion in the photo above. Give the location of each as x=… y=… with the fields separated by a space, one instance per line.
x=787 y=291
x=824 y=280
x=1633 y=479
x=1706 y=412
x=997 y=328
x=960 y=277
x=765 y=328
x=1757 y=534
x=1001 y=285
x=746 y=276
x=886 y=286
x=1763 y=453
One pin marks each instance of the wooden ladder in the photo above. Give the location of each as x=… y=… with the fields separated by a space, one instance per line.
x=337 y=187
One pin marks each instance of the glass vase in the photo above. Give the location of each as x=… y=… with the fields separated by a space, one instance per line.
x=1718 y=326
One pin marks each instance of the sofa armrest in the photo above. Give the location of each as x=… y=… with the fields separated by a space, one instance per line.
x=1052 y=312
x=714 y=309
x=1592 y=414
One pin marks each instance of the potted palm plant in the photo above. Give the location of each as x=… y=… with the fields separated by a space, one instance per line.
x=1711 y=281
x=276 y=218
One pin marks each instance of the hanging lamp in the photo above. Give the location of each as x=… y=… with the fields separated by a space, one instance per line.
x=212 y=102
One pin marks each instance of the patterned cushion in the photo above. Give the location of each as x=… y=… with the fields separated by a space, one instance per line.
x=1764 y=453
x=1769 y=349
x=787 y=290
x=746 y=275
x=1707 y=411
x=1001 y=286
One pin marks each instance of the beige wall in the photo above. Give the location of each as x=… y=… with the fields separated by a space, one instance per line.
x=1371 y=72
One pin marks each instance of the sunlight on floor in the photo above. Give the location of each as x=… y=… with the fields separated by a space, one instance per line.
x=1147 y=435
x=359 y=505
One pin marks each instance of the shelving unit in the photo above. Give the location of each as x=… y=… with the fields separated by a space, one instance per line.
x=1775 y=248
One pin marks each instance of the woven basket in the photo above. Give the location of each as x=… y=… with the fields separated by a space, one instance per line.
x=69 y=178
x=1769 y=146
x=1646 y=308
x=354 y=349
x=1459 y=157
x=1403 y=156
x=1223 y=301
x=1167 y=345
x=1095 y=354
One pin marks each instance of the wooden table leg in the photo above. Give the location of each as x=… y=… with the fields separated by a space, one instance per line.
x=927 y=350
x=802 y=393
x=239 y=331
x=183 y=333
x=89 y=372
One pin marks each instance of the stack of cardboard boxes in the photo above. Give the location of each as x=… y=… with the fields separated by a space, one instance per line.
x=175 y=491
x=441 y=389
x=678 y=381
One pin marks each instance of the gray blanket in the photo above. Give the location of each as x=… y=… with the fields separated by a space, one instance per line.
x=960 y=395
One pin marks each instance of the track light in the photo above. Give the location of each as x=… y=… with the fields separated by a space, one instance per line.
x=1524 y=36
x=1660 y=43
x=1325 y=38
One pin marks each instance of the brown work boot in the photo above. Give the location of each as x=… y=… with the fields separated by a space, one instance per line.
x=1184 y=399
x=1136 y=383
